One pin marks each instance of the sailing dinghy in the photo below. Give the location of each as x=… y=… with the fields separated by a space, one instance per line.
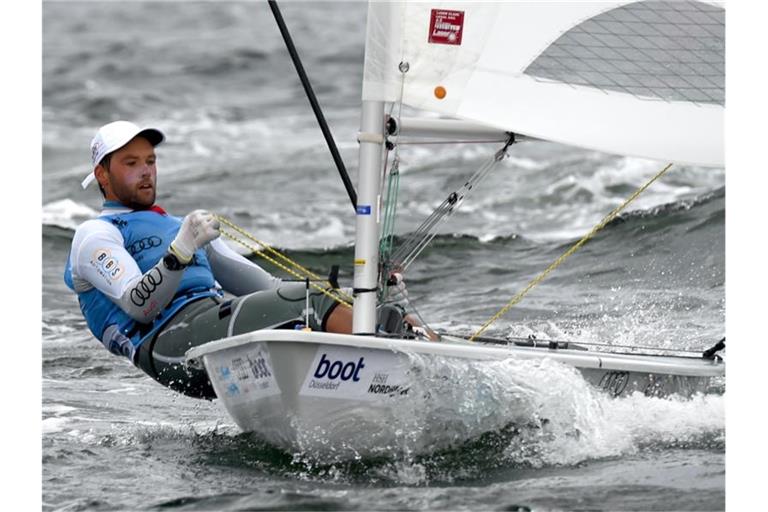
x=640 y=79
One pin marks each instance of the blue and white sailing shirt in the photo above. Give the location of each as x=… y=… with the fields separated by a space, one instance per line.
x=112 y=252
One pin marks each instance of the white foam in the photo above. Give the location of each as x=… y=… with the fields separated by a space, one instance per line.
x=57 y=333
x=527 y=164
x=649 y=420
x=560 y=418
x=127 y=390
x=54 y=424
x=57 y=409
x=66 y=213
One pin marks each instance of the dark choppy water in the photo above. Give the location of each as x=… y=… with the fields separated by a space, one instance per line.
x=242 y=142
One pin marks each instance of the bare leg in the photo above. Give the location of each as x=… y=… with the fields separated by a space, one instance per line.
x=340 y=320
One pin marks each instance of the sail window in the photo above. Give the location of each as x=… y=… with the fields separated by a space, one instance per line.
x=671 y=51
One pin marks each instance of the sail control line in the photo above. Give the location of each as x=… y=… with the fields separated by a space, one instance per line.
x=327 y=287
x=415 y=243
x=600 y=225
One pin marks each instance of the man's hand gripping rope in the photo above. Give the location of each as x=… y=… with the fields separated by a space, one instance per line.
x=198 y=228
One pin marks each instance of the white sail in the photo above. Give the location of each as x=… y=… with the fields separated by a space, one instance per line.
x=632 y=78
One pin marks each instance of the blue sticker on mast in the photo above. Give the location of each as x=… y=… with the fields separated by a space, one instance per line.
x=364 y=209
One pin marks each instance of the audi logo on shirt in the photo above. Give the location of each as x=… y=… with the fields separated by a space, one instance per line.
x=144 y=288
x=144 y=244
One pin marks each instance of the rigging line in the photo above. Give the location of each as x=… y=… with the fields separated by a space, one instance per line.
x=416 y=312
x=428 y=230
x=443 y=209
x=266 y=246
x=302 y=271
x=417 y=241
x=543 y=342
x=427 y=142
x=608 y=218
x=386 y=241
x=417 y=246
x=388 y=223
x=396 y=156
x=389 y=145
x=285 y=268
x=314 y=103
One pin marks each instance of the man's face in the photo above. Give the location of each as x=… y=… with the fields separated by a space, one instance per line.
x=132 y=175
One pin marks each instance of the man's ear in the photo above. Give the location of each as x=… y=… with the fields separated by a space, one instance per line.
x=101 y=176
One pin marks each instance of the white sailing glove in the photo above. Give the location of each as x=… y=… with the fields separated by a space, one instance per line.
x=197 y=229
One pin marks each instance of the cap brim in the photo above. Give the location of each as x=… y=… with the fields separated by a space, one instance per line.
x=152 y=135
x=88 y=179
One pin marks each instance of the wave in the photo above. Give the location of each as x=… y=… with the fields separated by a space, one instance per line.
x=239 y=60
x=695 y=213
x=61 y=218
x=66 y=214
x=713 y=202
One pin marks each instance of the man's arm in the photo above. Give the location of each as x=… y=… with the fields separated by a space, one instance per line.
x=99 y=260
x=235 y=273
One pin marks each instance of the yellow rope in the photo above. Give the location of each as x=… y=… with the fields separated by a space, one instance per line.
x=269 y=248
x=302 y=272
x=608 y=218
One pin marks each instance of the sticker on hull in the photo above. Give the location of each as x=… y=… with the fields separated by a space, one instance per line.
x=352 y=373
x=243 y=376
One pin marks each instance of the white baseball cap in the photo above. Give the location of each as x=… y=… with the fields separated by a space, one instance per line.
x=112 y=137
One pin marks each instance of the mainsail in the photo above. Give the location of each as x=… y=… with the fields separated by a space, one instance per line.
x=631 y=78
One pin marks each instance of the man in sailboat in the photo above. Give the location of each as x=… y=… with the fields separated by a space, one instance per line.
x=150 y=285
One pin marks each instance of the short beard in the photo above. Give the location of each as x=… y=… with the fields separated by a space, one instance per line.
x=131 y=202
x=138 y=206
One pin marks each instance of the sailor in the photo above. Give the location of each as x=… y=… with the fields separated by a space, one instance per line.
x=151 y=285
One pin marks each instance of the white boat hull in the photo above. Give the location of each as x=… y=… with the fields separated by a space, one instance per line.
x=348 y=395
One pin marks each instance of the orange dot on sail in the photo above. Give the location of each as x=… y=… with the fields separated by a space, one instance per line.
x=440 y=92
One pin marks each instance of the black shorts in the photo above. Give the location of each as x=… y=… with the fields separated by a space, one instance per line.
x=212 y=318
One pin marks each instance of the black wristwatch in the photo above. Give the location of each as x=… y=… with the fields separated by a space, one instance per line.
x=171 y=262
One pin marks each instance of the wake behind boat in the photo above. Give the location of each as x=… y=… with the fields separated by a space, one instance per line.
x=631 y=78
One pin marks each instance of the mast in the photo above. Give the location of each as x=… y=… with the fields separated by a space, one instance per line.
x=371 y=138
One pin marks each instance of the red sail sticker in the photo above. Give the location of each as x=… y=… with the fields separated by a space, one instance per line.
x=446 y=27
